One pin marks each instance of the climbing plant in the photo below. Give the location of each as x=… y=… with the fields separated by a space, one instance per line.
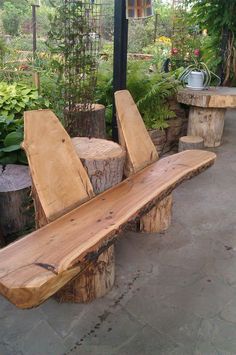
x=218 y=17
x=74 y=37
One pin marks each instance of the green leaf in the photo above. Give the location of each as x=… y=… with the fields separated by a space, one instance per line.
x=13 y=138
x=22 y=157
x=10 y=148
x=9 y=158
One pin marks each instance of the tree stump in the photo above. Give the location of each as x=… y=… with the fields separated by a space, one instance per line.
x=158 y=219
x=16 y=205
x=207 y=123
x=104 y=162
x=2 y=239
x=93 y=282
x=190 y=142
x=86 y=123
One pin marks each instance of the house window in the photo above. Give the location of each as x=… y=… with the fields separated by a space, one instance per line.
x=138 y=8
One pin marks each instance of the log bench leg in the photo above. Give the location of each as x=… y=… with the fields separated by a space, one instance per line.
x=158 y=219
x=207 y=123
x=94 y=282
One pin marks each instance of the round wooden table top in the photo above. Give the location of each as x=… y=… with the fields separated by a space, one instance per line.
x=214 y=97
x=96 y=148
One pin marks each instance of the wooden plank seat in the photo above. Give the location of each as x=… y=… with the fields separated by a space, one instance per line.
x=38 y=265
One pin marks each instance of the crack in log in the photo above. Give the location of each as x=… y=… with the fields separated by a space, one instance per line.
x=47 y=267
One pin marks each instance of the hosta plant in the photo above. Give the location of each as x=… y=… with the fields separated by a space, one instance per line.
x=14 y=100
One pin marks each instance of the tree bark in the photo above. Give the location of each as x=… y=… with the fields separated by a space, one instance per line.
x=86 y=123
x=94 y=282
x=158 y=219
x=207 y=123
x=190 y=142
x=16 y=205
x=2 y=239
x=103 y=160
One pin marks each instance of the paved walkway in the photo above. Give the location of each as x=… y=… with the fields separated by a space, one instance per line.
x=175 y=293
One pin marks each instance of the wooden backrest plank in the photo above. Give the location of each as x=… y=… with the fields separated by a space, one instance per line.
x=58 y=175
x=133 y=135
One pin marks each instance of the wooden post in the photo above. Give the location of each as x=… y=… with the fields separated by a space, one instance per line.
x=36 y=80
x=207 y=123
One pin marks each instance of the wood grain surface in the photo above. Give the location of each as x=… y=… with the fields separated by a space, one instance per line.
x=133 y=135
x=35 y=267
x=52 y=158
x=215 y=97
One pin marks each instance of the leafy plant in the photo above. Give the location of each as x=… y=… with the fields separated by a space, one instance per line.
x=151 y=92
x=154 y=105
x=218 y=17
x=14 y=100
x=11 y=19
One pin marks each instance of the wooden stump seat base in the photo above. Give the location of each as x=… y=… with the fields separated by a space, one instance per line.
x=158 y=219
x=207 y=123
x=94 y=282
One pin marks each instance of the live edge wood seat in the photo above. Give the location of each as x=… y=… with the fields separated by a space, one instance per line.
x=38 y=265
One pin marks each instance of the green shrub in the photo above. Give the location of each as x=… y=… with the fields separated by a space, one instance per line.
x=25 y=43
x=11 y=19
x=151 y=92
x=14 y=100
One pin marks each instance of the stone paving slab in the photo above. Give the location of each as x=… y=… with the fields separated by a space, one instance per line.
x=175 y=293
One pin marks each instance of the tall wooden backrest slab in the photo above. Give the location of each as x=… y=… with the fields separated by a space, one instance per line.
x=133 y=135
x=59 y=178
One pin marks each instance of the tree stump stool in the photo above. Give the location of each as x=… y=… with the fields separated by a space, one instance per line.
x=190 y=142
x=104 y=162
x=207 y=112
x=16 y=205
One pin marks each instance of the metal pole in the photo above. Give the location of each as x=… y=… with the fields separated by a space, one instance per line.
x=155 y=27
x=120 y=55
x=34 y=28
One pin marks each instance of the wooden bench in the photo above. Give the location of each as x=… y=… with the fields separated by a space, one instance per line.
x=81 y=227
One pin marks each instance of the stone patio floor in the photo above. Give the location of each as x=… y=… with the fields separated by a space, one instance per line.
x=175 y=293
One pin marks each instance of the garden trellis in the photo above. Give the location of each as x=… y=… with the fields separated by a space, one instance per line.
x=75 y=36
x=81 y=46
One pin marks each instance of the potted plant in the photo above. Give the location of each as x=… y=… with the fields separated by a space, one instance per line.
x=197 y=75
